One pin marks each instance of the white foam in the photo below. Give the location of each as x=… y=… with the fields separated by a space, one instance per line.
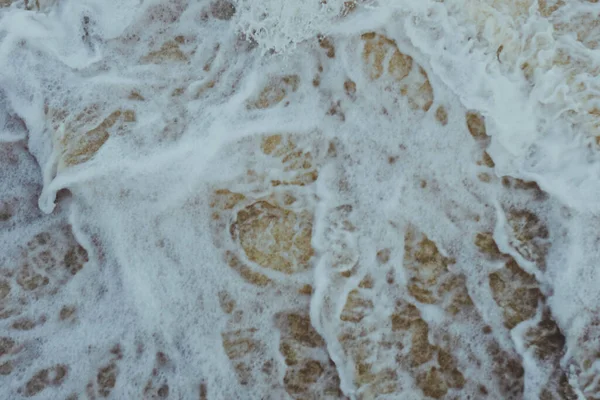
x=141 y=205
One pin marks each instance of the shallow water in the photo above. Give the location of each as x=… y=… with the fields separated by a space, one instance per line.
x=306 y=200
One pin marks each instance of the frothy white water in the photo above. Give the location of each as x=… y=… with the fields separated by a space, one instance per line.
x=161 y=118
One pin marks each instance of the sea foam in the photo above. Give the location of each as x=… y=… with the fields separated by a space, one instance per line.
x=278 y=199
